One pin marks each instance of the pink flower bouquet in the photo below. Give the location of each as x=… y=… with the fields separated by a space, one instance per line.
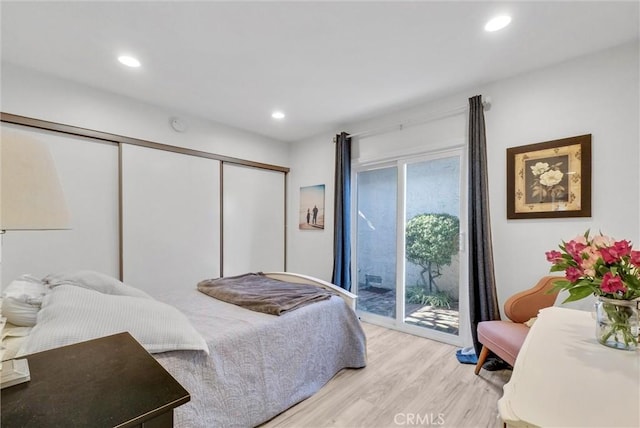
x=609 y=269
x=597 y=265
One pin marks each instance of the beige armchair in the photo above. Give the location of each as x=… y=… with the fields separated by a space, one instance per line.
x=505 y=338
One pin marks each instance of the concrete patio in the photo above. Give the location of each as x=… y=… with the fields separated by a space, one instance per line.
x=382 y=301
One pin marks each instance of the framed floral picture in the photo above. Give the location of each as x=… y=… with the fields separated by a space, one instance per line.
x=550 y=179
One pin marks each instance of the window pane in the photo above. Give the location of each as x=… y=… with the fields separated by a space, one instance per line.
x=432 y=236
x=376 y=237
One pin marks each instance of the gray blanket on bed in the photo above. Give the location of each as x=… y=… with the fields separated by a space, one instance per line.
x=262 y=294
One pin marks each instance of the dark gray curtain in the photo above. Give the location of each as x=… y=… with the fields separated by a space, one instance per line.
x=342 y=214
x=483 y=301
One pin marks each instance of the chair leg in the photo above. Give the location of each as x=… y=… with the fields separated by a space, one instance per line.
x=481 y=359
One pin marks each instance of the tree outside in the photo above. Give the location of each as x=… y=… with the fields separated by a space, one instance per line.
x=431 y=242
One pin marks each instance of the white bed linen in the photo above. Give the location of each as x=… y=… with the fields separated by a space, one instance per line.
x=259 y=365
x=13 y=337
x=73 y=314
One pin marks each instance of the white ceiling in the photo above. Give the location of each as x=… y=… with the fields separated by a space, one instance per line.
x=323 y=63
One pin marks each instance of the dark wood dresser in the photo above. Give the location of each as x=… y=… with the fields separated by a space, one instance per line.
x=108 y=382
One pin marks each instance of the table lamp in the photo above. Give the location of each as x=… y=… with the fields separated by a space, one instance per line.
x=31 y=198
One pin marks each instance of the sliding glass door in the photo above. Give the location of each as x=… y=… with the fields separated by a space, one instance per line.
x=409 y=228
x=376 y=226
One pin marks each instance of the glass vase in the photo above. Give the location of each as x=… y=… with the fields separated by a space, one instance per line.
x=617 y=324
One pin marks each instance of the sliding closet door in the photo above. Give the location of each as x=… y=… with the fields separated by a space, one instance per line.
x=253 y=220
x=88 y=171
x=170 y=218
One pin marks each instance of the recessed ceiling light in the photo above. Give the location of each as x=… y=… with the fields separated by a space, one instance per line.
x=277 y=115
x=129 y=61
x=497 y=23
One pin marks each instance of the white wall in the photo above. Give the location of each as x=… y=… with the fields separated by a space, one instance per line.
x=311 y=251
x=30 y=93
x=33 y=94
x=596 y=94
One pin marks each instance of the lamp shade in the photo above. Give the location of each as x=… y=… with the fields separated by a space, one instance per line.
x=31 y=197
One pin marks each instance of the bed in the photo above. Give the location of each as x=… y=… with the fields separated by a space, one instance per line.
x=241 y=367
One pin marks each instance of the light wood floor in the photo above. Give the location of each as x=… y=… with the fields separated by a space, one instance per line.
x=409 y=381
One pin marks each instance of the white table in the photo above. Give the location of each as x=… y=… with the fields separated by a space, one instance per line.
x=564 y=378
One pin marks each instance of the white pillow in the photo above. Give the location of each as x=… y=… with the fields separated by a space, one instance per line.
x=93 y=280
x=21 y=300
x=19 y=313
x=27 y=289
x=73 y=314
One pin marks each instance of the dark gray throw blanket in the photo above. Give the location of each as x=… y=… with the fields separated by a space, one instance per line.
x=259 y=293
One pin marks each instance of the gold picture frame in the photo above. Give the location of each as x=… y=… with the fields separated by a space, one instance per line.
x=550 y=179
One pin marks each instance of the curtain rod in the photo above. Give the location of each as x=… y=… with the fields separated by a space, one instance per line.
x=400 y=126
